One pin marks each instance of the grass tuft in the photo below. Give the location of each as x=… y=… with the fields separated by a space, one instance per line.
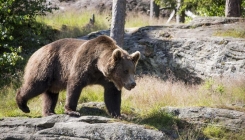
x=214 y=132
x=157 y=119
x=238 y=32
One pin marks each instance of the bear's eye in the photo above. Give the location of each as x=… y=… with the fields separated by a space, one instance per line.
x=125 y=72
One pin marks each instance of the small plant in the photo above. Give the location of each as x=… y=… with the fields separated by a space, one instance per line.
x=220 y=89
x=208 y=84
x=214 y=132
x=212 y=87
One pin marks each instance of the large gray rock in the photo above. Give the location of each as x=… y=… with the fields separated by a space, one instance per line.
x=230 y=119
x=82 y=128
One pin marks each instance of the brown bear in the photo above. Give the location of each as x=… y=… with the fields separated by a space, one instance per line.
x=72 y=64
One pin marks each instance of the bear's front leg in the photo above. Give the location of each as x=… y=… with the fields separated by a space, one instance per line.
x=112 y=98
x=72 y=97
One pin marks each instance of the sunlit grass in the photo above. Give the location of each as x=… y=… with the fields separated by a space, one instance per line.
x=92 y=94
x=232 y=33
x=237 y=32
x=150 y=94
x=75 y=24
x=143 y=103
x=140 y=20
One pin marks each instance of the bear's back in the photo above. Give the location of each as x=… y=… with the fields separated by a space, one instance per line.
x=52 y=61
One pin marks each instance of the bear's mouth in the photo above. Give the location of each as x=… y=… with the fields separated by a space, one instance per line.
x=128 y=88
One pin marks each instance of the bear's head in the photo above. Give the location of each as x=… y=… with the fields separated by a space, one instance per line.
x=121 y=68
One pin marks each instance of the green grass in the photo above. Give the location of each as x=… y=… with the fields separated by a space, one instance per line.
x=142 y=104
x=214 y=132
x=217 y=132
x=157 y=119
x=74 y=24
x=92 y=94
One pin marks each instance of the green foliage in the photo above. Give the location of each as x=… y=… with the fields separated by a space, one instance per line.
x=205 y=7
x=243 y=8
x=170 y=4
x=200 y=7
x=19 y=30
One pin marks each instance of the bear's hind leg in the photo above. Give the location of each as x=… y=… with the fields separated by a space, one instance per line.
x=49 y=102
x=22 y=103
x=27 y=92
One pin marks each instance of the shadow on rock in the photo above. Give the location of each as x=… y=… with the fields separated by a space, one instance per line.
x=93 y=108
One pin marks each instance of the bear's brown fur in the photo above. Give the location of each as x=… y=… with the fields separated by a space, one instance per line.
x=72 y=64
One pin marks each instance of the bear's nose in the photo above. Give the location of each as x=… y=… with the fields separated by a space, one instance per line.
x=133 y=85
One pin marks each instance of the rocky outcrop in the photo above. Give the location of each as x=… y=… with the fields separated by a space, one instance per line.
x=82 y=128
x=98 y=127
x=203 y=116
x=189 y=52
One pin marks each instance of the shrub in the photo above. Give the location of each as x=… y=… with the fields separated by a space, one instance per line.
x=19 y=30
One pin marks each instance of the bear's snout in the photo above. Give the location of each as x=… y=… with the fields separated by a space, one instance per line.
x=130 y=86
x=133 y=85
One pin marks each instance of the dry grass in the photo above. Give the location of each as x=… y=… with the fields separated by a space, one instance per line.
x=72 y=23
x=152 y=92
x=148 y=96
x=236 y=32
x=75 y=24
x=144 y=101
x=140 y=20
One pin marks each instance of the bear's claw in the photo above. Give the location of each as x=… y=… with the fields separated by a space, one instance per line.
x=73 y=113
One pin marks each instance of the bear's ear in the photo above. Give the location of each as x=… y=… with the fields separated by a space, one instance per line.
x=117 y=55
x=135 y=57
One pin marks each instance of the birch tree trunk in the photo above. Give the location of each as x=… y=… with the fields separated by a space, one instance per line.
x=233 y=8
x=118 y=21
x=180 y=16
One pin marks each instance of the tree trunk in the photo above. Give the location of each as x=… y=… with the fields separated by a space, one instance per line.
x=118 y=21
x=154 y=10
x=180 y=16
x=233 y=8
